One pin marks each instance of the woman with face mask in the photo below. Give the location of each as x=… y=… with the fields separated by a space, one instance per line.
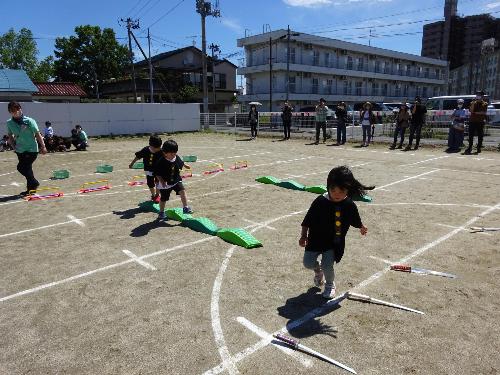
x=456 y=133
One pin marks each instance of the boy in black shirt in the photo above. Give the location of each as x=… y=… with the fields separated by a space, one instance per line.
x=326 y=224
x=150 y=156
x=167 y=171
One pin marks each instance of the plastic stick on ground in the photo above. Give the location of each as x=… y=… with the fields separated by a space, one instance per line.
x=421 y=271
x=363 y=298
x=297 y=346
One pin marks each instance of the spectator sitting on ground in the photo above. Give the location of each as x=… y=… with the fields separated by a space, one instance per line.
x=4 y=144
x=83 y=140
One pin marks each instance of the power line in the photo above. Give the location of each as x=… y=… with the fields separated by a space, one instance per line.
x=133 y=8
x=144 y=6
x=148 y=9
x=167 y=13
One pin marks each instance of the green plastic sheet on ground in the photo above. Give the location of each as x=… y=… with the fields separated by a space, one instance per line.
x=189 y=158
x=201 y=224
x=240 y=237
x=177 y=214
x=364 y=198
x=268 y=180
x=104 y=168
x=61 y=174
x=316 y=189
x=291 y=184
x=150 y=206
x=138 y=165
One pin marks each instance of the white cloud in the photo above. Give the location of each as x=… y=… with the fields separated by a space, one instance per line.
x=232 y=24
x=492 y=5
x=307 y=3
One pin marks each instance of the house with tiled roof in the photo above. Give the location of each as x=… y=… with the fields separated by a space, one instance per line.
x=16 y=85
x=58 y=92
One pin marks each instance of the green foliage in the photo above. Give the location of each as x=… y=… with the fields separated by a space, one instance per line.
x=187 y=93
x=18 y=50
x=89 y=55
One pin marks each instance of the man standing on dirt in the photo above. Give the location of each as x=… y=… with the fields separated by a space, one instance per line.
x=478 y=108
x=25 y=137
x=418 y=112
x=321 y=114
x=286 y=116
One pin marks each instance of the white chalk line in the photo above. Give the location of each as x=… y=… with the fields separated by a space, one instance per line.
x=319 y=310
x=465 y=230
x=269 y=337
x=75 y=220
x=467 y=171
x=259 y=224
x=139 y=261
x=425 y=161
x=381 y=259
x=471 y=205
x=227 y=360
x=406 y=179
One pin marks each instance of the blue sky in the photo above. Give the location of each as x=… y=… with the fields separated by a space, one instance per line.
x=341 y=19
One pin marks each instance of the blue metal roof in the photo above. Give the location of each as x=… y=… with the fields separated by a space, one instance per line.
x=12 y=80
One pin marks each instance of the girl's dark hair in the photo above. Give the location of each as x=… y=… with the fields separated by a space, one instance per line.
x=155 y=141
x=170 y=146
x=13 y=106
x=343 y=178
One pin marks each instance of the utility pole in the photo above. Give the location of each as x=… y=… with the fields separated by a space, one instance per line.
x=270 y=74
x=151 y=88
x=287 y=62
x=204 y=8
x=131 y=24
x=214 y=48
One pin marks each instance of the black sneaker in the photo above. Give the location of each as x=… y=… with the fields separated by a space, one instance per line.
x=24 y=193
x=467 y=152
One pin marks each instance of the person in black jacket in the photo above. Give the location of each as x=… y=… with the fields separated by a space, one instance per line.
x=341 y=114
x=286 y=116
x=326 y=224
x=253 y=119
x=150 y=155
x=418 y=112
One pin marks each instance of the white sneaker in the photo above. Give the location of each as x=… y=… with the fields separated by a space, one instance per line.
x=319 y=277
x=329 y=291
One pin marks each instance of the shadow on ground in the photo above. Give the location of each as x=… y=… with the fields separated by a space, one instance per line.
x=143 y=229
x=296 y=307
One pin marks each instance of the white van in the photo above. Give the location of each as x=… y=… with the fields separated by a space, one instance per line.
x=449 y=103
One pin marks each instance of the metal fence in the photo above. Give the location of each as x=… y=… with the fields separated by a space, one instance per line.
x=436 y=127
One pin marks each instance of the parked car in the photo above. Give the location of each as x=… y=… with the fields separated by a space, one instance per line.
x=312 y=109
x=449 y=103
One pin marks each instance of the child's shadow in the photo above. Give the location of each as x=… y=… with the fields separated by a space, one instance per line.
x=130 y=213
x=10 y=198
x=296 y=307
x=244 y=140
x=144 y=229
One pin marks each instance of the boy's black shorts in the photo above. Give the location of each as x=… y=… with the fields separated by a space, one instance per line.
x=151 y=181
x=165 y=193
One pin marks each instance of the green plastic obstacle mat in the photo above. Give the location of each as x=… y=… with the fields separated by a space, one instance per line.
x=104 y=168
x=189 y=158
x=364 y=198
x=240 y=237
x=291 y=184
x=316 y=189
x=201 y=224
x=268 y=180
x=60 y=174
x=150 y=206
x=177 y=214
x=138 y=165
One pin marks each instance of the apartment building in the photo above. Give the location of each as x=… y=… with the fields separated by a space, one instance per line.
x=334 y=69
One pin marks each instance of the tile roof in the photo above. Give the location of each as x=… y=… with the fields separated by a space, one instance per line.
x=58 y=89
x=15 y=80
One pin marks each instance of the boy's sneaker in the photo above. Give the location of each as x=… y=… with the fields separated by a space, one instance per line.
x=329 y=291
x=187 y=210
x=162 y=216
x=319 y=277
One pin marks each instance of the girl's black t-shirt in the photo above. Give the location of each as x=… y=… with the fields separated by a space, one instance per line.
x=328 y=224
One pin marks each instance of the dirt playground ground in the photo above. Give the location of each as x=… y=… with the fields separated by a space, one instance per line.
x=90 y=284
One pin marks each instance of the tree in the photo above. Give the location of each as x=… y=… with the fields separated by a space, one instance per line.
x=19 y=51
x=187 y=93
x=92 y=54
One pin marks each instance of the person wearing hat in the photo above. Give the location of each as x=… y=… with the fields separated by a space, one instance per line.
x=402 y=122
x=418 y=111
x=321 y=114
x=341 y=114
x=368 y=120
x=478 y=108
x=456 y=133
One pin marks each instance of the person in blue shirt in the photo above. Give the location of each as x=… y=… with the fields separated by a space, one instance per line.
x=456 y=133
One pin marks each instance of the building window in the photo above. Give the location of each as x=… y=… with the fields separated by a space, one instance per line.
x=387 y=68
x=397 y=89
x=377 y=66
x=375 y=89
x=426 y=73
x=291 y=84
x=329 y=86
x=220 y=81
x=385 y=89
x=315 y=85
x=316 y=58
x=327 y=59
x=349 y=63
x=359 y=87
x=424 y=91
x=292 y=55
x=347 y=88
x=405 y=90
x=361 y=63
x=408 y=70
